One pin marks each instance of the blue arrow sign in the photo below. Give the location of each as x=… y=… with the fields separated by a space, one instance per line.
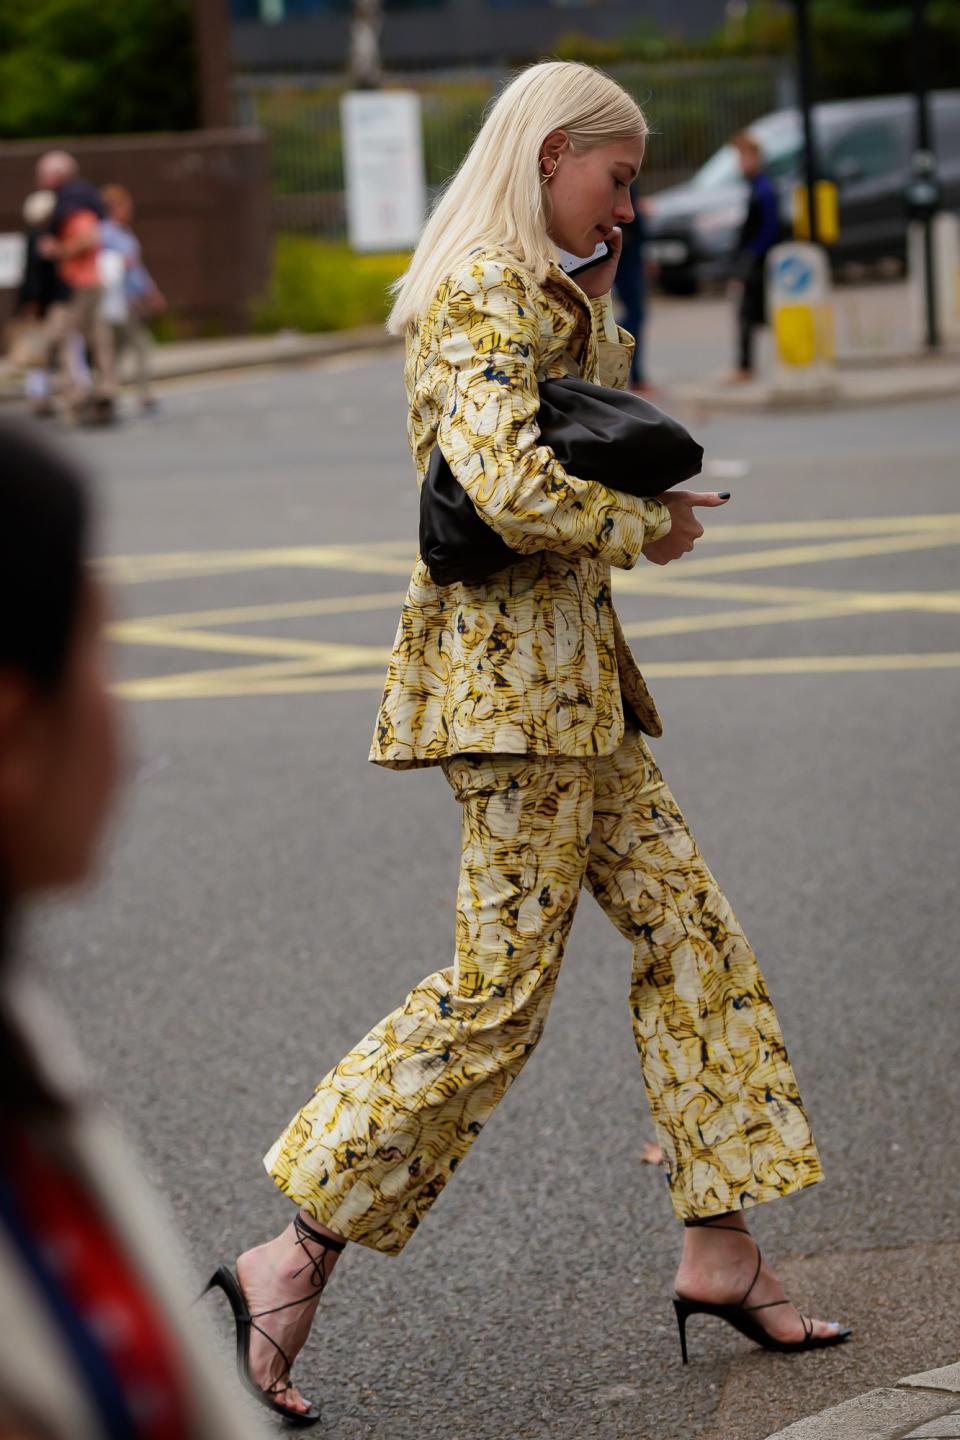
x=794 y=275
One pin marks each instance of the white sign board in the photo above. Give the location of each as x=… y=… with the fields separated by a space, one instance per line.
x=383 y=163
x=13 y=253
x=797 y=274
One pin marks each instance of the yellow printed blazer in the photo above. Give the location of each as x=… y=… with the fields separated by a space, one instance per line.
x=533 y=661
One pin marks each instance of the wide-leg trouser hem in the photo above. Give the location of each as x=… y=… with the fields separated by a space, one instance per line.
x=746 y=1199
x=386 y=1241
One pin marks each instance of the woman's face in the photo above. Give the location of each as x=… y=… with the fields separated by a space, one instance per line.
x=58 y=764
x=589 y=193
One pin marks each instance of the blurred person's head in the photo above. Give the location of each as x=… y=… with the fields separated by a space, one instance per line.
x=54 y=169
x=58 y=736
x=551 y=167
x=749 y=153
x=119 y=203
x=38 y=208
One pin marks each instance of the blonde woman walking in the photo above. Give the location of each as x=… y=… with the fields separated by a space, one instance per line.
x=523 y=690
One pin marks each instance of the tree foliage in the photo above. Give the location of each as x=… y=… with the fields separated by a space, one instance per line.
x=95 y=67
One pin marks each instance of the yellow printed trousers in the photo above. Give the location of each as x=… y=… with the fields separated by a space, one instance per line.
x=385 y=1130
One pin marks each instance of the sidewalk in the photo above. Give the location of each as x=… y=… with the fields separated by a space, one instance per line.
x=919 y=1407
x=202 y=357
x=686 y=341
x=690 y=350
x=288 y=347
x=892 y=380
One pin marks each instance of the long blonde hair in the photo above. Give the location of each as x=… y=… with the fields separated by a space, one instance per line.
x=496 y=198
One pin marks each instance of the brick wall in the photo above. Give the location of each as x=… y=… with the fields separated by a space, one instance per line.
x=203 y=213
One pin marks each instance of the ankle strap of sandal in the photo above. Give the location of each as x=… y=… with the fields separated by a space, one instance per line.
x=306 y=1233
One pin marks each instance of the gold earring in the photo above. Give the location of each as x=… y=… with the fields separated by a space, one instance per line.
x=548 y=174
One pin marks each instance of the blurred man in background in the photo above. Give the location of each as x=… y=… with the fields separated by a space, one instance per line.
x=630 y=287
x=73 y=243
x=758 y=234
x=40 y=294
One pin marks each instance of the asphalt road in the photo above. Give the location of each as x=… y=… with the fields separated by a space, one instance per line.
x=268 y=895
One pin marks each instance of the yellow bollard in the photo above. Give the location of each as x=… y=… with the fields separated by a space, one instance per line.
x=801 y=316
x=828 y=212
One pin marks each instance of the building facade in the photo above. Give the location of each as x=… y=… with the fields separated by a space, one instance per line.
x=314 y=35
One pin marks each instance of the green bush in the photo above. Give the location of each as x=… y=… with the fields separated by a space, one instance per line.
x=95 y=67
x=320 y=285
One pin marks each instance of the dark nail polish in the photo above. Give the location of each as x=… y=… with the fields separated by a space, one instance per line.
x=724 y=494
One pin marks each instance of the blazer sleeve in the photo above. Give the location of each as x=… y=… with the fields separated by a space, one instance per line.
x=488 y=342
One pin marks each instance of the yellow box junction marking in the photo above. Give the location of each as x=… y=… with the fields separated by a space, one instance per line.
x=289 y=665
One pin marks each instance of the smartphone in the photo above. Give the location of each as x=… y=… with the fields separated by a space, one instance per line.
x=575 y=264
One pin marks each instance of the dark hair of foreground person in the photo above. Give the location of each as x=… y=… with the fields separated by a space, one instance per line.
x=44 y=526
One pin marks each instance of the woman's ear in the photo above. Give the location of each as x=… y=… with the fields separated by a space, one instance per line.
x=554 y=145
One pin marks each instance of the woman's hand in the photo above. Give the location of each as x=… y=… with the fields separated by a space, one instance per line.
x=685 y=528
x=599 y=279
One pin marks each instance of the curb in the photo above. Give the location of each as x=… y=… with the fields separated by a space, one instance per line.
x=179 y=360
x=286 y=348
x=881 y=385
x=919 y=1407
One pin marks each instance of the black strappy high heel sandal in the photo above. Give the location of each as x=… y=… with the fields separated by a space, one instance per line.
x=740 y=1316
x=225 y=1280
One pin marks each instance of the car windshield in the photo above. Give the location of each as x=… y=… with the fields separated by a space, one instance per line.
x=779 y=137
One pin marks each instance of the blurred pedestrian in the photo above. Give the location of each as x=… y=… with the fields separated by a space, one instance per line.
x=73 y=243
x=630 y=287
x=41 y=291
x=131 y=293
x=522 y=689
x=759 y=233
x=96 y=1335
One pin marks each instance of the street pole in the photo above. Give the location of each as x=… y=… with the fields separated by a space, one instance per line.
x=366 y=72
x=924 y=147
x=213 y=62
x=805 y=93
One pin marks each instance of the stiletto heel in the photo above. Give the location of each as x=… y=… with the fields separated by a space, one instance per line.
x=682 y=1307
x=225 y=1280
x=740 y=1316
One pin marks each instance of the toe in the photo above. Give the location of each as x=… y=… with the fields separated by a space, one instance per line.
x=830 y=1330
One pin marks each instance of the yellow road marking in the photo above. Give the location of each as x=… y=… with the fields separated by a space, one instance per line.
x=806 y=665
x=800 y=555
x=243 y=682
x=329 y=654
x=305 y=666
x=735 y=619
x=391 y=557
x=376 y=557
x=794 y=594
x=814 y=529
x=236 y=684
x=226 y=680
x=294 y=610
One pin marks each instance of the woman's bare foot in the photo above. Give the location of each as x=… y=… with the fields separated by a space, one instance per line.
x=717 y=1266
x=282 y=1282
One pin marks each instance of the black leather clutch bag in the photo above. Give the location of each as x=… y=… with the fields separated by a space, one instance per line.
x=596 y=433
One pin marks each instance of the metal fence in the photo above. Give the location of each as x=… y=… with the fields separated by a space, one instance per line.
x=692 y=108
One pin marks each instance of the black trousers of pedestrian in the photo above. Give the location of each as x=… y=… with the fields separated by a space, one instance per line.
x=631 y=287
x=751 y=312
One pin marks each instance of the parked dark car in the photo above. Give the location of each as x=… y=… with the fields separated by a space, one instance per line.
x=865 y=146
